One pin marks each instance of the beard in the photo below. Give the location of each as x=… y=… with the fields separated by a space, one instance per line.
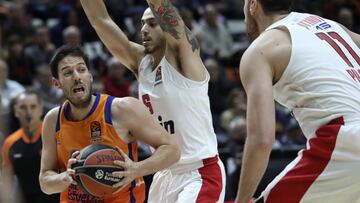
x=148 y=50
x=252 y=27
x=82 y=103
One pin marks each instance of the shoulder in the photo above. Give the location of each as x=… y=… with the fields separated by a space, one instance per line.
x=51 y=118
x=272 y=47
x=11 y=139
x=125 y=106
x=269 y=42
x=12 y=84
x=52 y=113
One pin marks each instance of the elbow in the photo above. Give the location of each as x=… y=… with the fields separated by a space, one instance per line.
x=43 y=187
x=262 y=143
x=177 y=153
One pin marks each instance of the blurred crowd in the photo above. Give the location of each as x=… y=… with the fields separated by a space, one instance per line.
x=31 y=30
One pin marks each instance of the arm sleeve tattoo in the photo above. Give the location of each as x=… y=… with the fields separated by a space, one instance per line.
x=167 y=17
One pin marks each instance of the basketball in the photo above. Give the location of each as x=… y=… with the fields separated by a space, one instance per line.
x=93 y=170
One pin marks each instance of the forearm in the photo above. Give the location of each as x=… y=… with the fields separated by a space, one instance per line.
x=254 y=164
x=52 y=182
x=162 y=158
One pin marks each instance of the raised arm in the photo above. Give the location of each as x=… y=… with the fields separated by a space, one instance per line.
x=127 y=52
x=50 y=180
x=182 y=46
x=132 y=115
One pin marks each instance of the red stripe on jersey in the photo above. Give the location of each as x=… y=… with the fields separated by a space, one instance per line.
x=292 y=187
x=211 y=181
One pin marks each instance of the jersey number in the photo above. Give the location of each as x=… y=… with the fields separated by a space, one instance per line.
x=329 y=38
x=146 y=101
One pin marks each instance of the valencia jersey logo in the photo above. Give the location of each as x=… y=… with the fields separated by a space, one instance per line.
x=95 y=131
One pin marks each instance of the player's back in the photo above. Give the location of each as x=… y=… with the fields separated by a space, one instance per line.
x=322 y=79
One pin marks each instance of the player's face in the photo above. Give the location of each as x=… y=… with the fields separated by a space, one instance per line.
x=252 y=27
x=75 y=80
x=28 y=110
x=152 y=35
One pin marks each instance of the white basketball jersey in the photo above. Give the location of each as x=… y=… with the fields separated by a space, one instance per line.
x=181 y=106
x=322 y=79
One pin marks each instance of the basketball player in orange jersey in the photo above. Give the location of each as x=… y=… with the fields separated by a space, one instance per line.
x=311 y=65
x=87 y=118
x=173 y=84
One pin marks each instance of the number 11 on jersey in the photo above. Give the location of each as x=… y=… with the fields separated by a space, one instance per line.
x=330 y=38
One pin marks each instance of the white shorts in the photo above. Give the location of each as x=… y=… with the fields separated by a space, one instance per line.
x=203 y=185
x=328 y=171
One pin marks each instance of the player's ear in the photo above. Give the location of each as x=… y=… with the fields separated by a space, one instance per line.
x=253 y=6
x=91 y=78
x=55 y=82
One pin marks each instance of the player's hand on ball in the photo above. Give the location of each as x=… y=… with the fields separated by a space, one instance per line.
x=69 y=173
x=129 y=172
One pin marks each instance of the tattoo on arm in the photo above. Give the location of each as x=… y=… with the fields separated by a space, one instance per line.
x=191 y=39
x=167 y=17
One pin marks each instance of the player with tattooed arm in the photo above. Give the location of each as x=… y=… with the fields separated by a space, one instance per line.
x=173 y=84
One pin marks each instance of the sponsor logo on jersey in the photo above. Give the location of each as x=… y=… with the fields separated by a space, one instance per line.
x=169 y=125
x=95 y=131
x=158 y=76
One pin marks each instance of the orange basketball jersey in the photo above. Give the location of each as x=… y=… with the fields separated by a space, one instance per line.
x=96 y=128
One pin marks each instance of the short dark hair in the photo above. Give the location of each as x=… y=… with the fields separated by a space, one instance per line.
x=275 y=6
x=64 y=51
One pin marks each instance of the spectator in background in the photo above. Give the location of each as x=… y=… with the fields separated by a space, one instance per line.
x=21 y=153
x=20 y=68
x=115 y=82
x=18 y=22
x=68 y=17
x=215 y=39
x=72 y=36
x=236 y=107
x=237 y=132
x=8 y=90
x=188 y=19
x=42 y=50
x=43 y=87
x=346 y=18
x=43 y=10
x=219 y=87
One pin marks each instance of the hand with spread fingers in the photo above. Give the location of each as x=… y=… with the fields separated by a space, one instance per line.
x=129 y=173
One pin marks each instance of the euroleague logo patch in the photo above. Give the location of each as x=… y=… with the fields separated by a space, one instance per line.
x=158 y=76
x=95 y=131
x=99 y=174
